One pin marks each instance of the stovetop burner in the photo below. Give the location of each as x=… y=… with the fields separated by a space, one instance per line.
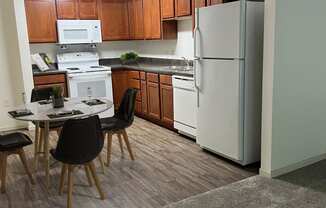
x=73 y=68
x=96 y=67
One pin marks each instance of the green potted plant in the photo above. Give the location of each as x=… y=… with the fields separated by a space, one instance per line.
x=57 y=97
x=129 y=58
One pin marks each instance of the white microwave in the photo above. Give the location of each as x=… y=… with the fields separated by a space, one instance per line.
x=79 y=31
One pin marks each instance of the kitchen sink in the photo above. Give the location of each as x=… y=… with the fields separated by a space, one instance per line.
x=181 y=68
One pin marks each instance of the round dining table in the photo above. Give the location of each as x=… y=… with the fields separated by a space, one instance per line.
x=43 y=112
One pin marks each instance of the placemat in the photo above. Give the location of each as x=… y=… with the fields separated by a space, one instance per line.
x=93 y=102
x=65 y=114
x=20 y=113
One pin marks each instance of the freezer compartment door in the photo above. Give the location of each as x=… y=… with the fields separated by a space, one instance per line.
x=219 y=31
x=219 y=124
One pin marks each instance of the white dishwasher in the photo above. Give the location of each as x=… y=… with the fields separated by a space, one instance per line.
x=184 y=104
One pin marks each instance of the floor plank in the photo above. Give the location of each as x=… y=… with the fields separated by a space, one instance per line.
x=168 y=168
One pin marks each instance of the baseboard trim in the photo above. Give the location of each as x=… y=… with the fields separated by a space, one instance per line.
x=292 y=167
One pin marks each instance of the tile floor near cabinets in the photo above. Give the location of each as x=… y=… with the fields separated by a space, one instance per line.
x=167 y=169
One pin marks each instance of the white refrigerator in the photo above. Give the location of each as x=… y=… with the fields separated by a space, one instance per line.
x=228 y=77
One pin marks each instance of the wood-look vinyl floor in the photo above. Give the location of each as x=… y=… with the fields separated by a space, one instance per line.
x=168 y=168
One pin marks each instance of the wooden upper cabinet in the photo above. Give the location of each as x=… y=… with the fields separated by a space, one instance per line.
x=77 y=9
x=41 y=21
x=136 y=19
x=213 y=2
x=152 y=19
x=183 y=8
x=87 y=9
x=114 y=16
x=200 y=3
x=168 y=9
x=67 y=9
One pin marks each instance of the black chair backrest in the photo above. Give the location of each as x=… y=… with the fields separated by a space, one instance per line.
x=80 y=141
x=41 y=94
x=127 y=106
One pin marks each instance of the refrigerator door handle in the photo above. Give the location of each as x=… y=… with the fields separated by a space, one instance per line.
x=196 y=60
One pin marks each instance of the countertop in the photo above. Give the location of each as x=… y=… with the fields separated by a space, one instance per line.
x=155 y=65
x=161 y=69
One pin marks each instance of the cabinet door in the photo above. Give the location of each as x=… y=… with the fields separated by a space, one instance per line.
x=88 y=9
x=41 y=21
x=67 y=9
x=119 y=86
x=183 y=8
x=143 y=91
x=114 y=16
x=200 y=3
x=153 y=100
x=166 y=92
x=152 y=19
x=167 y=9
x=136 y=19
x=213 y=2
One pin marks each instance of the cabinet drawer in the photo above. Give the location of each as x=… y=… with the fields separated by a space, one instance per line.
x=166 y=79
x=134 y=83
x=152 y=77
x=49 y=79
x=133 y=74
x=142 y=75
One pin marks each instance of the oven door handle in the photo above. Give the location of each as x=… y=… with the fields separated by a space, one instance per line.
x=89 y=75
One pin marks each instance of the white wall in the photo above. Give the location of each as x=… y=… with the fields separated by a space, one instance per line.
x=183 y=46
x=14 y=61
x=294 y=117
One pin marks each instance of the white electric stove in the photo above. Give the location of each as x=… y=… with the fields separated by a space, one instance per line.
x=86 y=78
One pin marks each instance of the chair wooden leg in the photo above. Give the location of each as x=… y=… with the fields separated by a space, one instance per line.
x=101 y=162
x=70 y=185
x=109 y=147
x=125 y=137
x=97 y=183
x=120 y=143
x=36 y=143
x=3 y=171
x=88 y=175
x=62 y=178
x=0 y=167
x=41 y=141
x=22 y=156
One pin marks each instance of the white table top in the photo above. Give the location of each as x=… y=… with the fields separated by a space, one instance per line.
x=40 y=112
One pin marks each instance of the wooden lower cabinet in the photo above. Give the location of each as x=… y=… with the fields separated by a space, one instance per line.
x=166 y=93
x=51 y=80
x=153 y=100
x=143 y=90
x=120 y=85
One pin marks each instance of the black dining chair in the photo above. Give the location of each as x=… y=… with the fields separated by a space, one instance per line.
x=39 y=94
x=80 y=142
x=117 y=124
x=13 y=143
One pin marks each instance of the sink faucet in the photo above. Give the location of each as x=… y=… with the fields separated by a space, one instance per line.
x=187 y=61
